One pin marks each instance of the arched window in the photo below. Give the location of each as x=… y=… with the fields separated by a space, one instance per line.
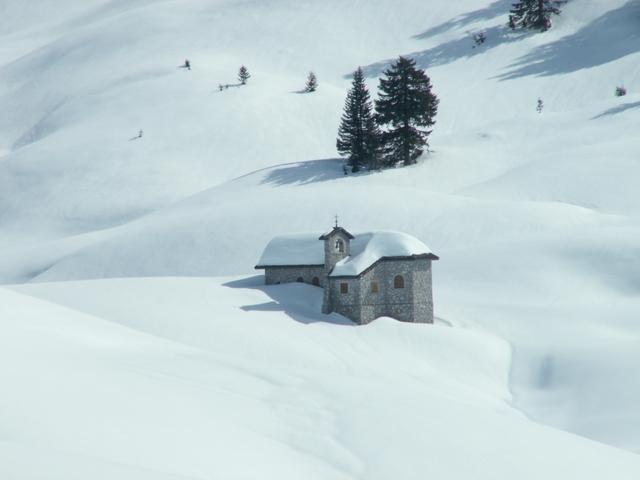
x=374 y=287
x=339 y=245
x=315 y=281
x=398 y=281
x=300 y=280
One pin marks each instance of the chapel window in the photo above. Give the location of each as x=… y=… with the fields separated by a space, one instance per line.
x=398 y=281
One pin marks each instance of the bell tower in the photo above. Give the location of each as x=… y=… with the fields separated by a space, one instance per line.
x=337 y=245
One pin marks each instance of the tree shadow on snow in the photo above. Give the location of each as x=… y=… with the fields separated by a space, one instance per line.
x=455 y=49
x=608 y=38
x=496 y=9
x=302 y=173
x=290 y=299
x=451 y=51
x=618 y=109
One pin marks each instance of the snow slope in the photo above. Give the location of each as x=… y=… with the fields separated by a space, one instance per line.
x=534 y=216
x=151 y=383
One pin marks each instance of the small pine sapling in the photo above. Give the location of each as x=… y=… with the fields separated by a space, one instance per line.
x=540 y=105
x=312 y=83
x=140 y=133
x=243 y=75
x=621 y=91
x=479 y=39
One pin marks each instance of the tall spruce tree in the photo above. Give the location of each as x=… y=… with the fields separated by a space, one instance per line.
x=534 y=14
x=406 y=109
x=358 y=133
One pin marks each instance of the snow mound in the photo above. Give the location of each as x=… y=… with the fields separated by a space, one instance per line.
x=368 y=248
x=199 y=378
x=293 y=249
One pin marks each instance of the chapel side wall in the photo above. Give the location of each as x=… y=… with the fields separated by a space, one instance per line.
x=423 y=292
x=275 y=275
x=413 y=303
x=374 y=305
x=346 y=304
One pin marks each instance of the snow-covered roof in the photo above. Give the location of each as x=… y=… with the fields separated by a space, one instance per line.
x=366 y=249
x=293 y=249
x=334 y=230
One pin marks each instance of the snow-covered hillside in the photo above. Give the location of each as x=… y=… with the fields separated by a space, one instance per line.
x=534 y=217
x=199 y=378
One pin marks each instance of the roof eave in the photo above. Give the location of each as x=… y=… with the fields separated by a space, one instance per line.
x=262 y=267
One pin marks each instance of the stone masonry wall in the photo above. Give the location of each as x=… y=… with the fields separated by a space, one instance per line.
x=275 y=275
x=347 y=304
x=413 y=303
x=331 y=255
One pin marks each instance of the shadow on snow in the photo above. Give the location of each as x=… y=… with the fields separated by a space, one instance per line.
x=496 y=9
x=302 y=173
x=451 y=51
x=618 y=109
x=608 y=38
x=292 y=299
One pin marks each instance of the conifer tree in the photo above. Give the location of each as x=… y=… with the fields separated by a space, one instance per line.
x=358 y=134
x=534 y=14
x=243 y=75
x=406 y=109
x=312 y=83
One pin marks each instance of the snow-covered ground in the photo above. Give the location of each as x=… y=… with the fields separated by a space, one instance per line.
x=534 y=217
x=201 y=378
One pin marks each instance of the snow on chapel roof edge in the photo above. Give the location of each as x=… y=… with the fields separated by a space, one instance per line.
x=304 y=249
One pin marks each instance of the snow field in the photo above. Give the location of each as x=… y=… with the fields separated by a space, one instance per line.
x=534 y=217
x=172 y=389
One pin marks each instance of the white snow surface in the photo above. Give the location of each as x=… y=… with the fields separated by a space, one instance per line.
x=367 y=248
x=294 y=249
x=116 y=361
x=187 y=378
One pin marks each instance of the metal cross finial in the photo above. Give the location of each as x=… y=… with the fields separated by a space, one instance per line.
x=336 y=221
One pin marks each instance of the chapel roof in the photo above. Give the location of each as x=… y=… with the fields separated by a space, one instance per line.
x=370 y=247
x=367 y=248
x=298 y=249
